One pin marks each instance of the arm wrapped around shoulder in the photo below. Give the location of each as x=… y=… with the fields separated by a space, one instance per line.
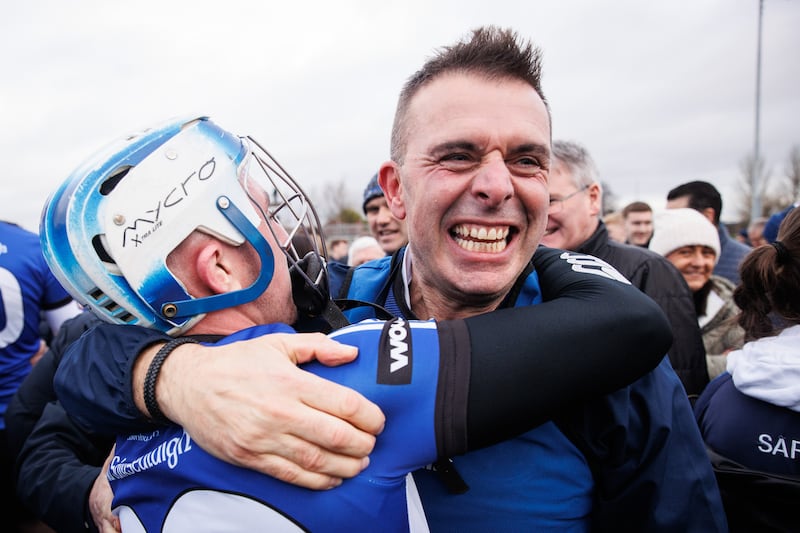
x=593 y=334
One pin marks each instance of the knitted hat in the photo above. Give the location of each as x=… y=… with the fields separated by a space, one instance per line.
x=774 y=222
x=675 y=228
x=373 y=190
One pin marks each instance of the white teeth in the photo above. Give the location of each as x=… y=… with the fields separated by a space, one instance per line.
x=481 y=239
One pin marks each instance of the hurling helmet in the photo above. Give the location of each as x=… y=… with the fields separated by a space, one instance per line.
x=107 y=230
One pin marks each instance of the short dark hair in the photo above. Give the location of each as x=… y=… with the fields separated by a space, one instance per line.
x=701 y=196
x=636 y=207
x=491 y=52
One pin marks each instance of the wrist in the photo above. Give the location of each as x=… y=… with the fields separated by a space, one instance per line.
x=151 y=393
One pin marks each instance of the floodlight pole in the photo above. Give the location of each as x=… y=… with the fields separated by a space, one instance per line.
x=755 y=206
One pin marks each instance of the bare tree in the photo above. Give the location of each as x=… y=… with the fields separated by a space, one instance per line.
x=749 y=166
x=333 y=201
x=792 y=183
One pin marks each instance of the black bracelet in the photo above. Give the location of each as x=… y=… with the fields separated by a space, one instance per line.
x=150 y=401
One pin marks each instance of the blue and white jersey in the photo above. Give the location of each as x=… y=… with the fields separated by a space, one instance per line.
x=163 y=481
x=27 y=287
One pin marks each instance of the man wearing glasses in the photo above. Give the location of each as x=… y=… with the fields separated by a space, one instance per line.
x=574 y=224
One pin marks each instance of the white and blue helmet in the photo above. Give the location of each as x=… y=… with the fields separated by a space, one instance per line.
x=108 y=229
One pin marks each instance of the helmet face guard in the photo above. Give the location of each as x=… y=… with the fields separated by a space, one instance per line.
x=108 y=230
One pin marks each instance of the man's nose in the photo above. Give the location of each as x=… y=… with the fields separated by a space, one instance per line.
x=492 y=184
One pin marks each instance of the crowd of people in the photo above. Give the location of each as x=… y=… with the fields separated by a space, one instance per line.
x=497 y=355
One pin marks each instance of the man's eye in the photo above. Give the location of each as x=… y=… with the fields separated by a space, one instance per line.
x=455 y=157
x=529 y=161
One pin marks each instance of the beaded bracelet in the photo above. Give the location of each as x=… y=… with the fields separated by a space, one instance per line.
x=150 y=401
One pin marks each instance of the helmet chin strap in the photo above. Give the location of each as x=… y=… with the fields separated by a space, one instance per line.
x=197 y=306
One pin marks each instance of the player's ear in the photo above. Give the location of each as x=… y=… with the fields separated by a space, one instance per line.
x=389 y=180
x=215 y=269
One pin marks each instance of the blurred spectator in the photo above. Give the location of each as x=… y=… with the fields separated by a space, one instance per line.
x=573 y=224
x=750 y=416
x=705 y=198
x=691 y=243
x=27 y=288
x=338 y=250
x=57 y=463
x=615 y=226
x=770 y=232
x=364 y=249
x=741 y=237
x=390 y=232
x=755 y=232
x=638 y=217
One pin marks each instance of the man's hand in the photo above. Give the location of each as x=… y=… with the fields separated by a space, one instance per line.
x=100 y=498
x=248 y=404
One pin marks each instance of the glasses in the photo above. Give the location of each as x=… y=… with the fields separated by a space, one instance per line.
x=557 y=204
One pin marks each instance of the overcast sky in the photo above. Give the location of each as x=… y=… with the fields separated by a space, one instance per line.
x=660 y=92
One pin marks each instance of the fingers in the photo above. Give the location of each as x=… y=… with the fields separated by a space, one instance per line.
x=304 y=464
x=348 y=410
x=100 y=498
x=248 y=404
x=307 y=347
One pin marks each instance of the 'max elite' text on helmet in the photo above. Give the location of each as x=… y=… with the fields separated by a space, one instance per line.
x=108 y=229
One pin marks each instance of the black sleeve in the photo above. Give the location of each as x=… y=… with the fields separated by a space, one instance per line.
x=93 y=381
x=662 y=282
x=57 y=468
x=593 y=335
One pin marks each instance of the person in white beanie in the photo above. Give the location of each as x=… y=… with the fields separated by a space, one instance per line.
x=750 y=415
x=690 y=242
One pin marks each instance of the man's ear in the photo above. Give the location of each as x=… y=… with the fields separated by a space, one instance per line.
x=710 y=214
x=595 y=193
x=389 y=180
x=214 y=267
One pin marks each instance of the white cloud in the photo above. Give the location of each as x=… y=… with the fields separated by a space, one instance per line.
x=659 y=93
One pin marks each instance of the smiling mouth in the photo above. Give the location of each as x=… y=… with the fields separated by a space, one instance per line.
x=485 y=239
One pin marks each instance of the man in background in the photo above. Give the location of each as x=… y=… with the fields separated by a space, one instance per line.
x=574 y=224
x=389 y=231
x=638 y=217
x=27 y=290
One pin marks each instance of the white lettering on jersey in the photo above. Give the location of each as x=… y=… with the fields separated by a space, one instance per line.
x=590 y=264
x=788 y=448
x=169 y=451
x=399 y=351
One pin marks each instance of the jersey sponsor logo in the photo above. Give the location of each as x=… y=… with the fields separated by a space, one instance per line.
x=395 y=354
x=589 y=264
x=168 y=452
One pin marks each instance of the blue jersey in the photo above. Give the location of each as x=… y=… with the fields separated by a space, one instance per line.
x=630 y=461
x=27 y=287
x=163 y=481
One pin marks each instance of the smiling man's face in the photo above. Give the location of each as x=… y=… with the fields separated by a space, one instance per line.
x=472 y=188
